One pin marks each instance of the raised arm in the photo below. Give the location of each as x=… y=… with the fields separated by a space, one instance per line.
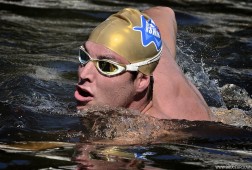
x=174 y=96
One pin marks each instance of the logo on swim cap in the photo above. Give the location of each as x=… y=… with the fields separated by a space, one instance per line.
x=149 y=33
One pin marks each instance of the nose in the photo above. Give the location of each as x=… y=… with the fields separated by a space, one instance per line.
x=87 y=73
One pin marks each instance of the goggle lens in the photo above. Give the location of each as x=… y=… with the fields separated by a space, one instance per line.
x=83 y=56
x=106 y=66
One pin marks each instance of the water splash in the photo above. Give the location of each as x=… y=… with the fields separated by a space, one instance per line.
x=197 y=74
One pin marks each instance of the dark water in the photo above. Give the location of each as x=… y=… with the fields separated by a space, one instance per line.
x=39 y=42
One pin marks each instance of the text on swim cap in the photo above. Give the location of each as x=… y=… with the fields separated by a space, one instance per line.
x=152 y=29
x=149 y=33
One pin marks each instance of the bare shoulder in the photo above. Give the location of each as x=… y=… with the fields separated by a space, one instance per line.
x=174 y=96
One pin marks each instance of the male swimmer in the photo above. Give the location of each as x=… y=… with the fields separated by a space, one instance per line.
x=129 y=61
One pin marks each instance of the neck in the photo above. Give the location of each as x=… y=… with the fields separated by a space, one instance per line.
x=140 y=103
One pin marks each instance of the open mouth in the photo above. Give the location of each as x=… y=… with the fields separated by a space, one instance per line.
x=84 y=92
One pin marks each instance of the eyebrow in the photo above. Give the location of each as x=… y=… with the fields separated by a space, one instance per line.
x=100 y=57
x=108 y=57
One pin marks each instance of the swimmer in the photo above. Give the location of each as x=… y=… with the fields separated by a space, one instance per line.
x=129 y=61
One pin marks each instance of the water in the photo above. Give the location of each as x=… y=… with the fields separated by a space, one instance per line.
x=40 y=128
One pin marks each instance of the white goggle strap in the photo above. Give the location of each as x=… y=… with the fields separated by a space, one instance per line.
x=134 y=66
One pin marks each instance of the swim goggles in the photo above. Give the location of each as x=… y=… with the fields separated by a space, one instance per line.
x=111 y=68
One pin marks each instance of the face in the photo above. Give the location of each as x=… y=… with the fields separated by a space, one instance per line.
x=96 y=89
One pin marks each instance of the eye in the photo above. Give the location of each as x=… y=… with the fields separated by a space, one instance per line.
x=106 y=66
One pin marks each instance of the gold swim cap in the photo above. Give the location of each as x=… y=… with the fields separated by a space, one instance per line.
x=131 y=34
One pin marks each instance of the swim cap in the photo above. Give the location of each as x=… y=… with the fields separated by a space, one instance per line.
x=131 y=34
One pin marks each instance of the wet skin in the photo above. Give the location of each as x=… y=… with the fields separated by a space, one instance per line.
x=96 y=89
x=174 y=97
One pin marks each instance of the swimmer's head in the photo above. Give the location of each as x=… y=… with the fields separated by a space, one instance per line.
x=133 y=35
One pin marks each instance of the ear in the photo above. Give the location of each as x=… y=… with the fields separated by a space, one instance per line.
x=142 y=82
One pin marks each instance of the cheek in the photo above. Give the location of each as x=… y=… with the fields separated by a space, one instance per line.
x=116 y=88
x=78 y=73
x=118 y=92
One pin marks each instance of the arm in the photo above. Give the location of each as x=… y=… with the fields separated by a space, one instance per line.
x=173 y=95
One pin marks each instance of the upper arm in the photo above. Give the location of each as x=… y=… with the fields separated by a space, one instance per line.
x=173 y=95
